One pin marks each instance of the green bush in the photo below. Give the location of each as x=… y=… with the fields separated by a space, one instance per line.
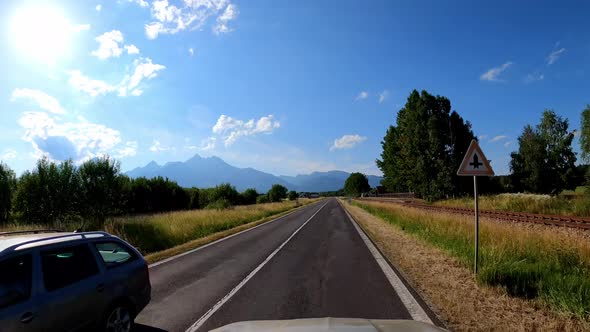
x=262 y=199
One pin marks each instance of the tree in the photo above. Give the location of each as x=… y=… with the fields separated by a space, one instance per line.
x=292 y=195
x=7 y=188
x=102 y=189
x=423 y=150
x=226 y=192
x=356 y=184
x=545 y=162
x=262 y=199
x=585 y=134
x=249 y=196
x=50 y=194
x=277 y=193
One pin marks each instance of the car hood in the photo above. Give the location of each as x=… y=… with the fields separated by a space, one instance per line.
x=330 y=324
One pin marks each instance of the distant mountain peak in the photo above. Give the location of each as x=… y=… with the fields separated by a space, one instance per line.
x=211 y=171
x=152 y=164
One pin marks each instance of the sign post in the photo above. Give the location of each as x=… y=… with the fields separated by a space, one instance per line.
x=475 y=164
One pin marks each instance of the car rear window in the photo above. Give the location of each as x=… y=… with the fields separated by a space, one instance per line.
x=15 y=280
x=114 y=253
x=65 y=266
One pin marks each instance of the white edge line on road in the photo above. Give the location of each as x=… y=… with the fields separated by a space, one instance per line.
x=220 y=240
x=229 y=295
x=411 y=304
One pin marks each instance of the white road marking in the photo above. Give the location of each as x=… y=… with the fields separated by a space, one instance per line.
x=229 y=295
x=217 y=241
x=411 y=304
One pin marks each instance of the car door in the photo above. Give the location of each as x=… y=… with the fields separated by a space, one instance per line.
x=17 y=307
x=125 y=274
x=73 y=288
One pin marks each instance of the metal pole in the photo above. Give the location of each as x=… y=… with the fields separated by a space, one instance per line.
x=476 y=222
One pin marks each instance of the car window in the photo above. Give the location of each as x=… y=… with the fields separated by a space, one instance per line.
x=15 y=280
x=114 y=254
x=65 y=266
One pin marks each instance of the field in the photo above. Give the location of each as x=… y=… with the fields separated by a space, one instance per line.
x=571 y=205
x=533 y=262
x=157 y=232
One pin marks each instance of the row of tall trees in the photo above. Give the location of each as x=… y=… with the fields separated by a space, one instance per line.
x=423 y=150
x=60 y=193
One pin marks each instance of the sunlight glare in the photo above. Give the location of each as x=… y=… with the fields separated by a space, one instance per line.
x=41 y=32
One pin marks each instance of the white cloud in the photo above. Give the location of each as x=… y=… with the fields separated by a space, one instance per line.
x=232 y=128
x=191 y=51
x=42 y=99
x=347 y=142
x=141 y=3
x=8 y=154
x=98 y=8
x=60 y=140
x=109 y=45
x=482 y=137
x=554 y=56
x=92 y=87
x=362 y=95
x=533 y=77
x=493 y=73
x=230 y=13
x=170 y=19
x=208 y=143
x=497 y=138
x=158 y=147
x=507 y=144
x=129 y=150
x=131 y=49
x=383 y=96
x=144 y=69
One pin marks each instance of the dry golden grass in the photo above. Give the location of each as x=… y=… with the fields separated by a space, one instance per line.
x=166 y=234
x=451 y=289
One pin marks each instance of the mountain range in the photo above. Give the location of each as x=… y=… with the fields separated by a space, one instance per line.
x=211 y=171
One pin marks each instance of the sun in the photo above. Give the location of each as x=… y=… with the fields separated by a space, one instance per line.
x=41 y=32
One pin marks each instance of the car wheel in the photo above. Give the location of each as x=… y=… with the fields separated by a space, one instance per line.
x=118 y=319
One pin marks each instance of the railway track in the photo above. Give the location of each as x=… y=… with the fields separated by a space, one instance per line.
x=545 y=219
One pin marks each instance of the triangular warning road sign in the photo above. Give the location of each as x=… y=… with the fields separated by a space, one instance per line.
x=475 y=162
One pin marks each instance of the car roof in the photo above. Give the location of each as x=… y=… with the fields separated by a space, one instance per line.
x=23 y=240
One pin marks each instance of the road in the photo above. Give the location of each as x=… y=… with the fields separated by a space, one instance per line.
x=310 y=263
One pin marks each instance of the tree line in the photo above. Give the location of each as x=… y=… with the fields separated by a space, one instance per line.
x=423 y=150
x=60 y=193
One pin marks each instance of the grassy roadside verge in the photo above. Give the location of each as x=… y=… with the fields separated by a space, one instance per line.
x=162 y=235
x=430 y=249
x=193 y=244
x=578 y=206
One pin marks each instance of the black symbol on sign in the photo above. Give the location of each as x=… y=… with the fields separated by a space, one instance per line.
x=475 y=162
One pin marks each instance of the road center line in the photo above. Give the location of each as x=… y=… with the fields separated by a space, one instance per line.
x=229 y=295
x=411 y=304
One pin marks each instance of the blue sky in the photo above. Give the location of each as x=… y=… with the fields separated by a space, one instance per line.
x=286 y=87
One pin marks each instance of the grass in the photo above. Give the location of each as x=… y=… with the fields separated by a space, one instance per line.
x=167 y=232
x=570 y=205
x=532 y=263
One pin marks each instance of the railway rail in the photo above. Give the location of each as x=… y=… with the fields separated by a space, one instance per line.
x=545 y=219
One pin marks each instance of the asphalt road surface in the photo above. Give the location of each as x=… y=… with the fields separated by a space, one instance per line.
x=323 y=270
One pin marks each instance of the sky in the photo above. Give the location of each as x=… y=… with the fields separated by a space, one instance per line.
x=286 y=87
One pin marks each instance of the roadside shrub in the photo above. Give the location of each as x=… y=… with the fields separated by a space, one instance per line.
x=220 y=204
x=262 y=199
x=249 y=196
